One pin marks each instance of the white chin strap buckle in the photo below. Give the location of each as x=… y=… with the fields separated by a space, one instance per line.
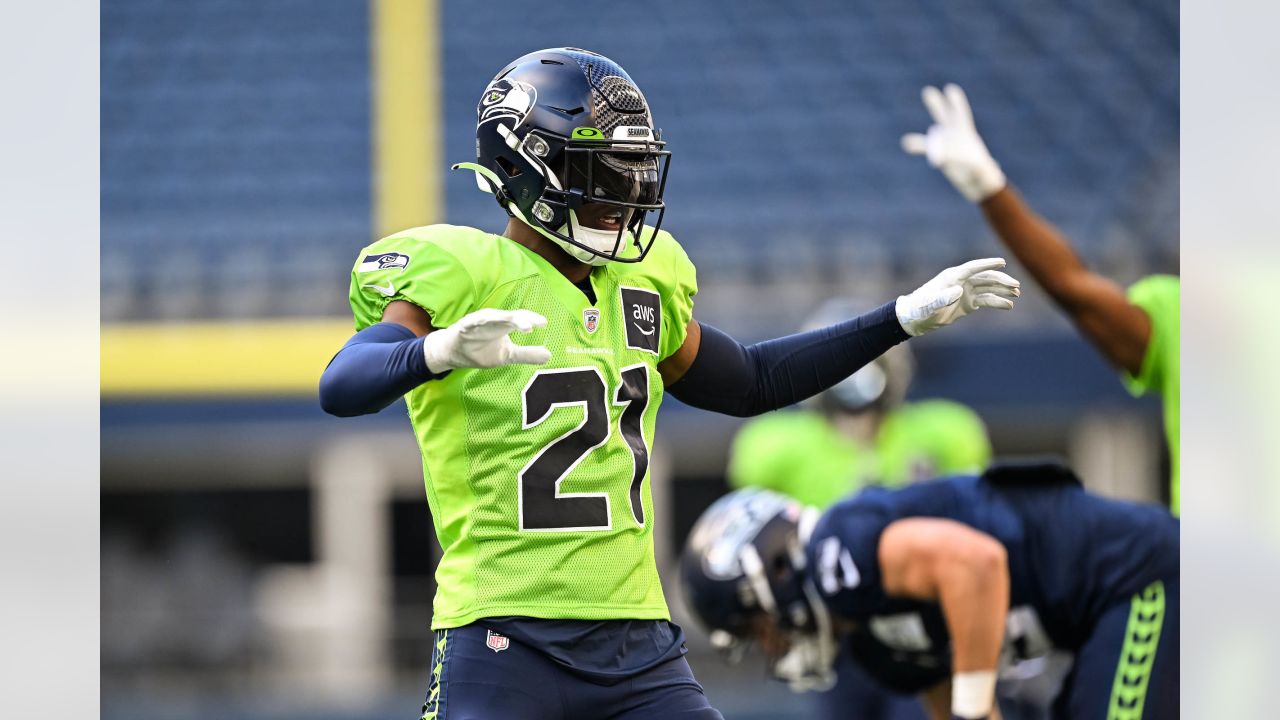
x=602 y=241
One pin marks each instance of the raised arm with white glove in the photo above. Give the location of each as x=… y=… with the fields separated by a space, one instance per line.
x=482 y=340
x=1096 y=304
x=956 y=292
x=952 y=144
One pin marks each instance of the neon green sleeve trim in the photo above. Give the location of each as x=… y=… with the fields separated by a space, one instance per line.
x=679 y=297
x=1159 y=297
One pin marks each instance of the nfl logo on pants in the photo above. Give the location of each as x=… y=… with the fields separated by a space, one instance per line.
x=496 y=642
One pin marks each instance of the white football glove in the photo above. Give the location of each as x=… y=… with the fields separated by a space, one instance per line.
x=952 y=144
x=956 y=292
x=479 y=340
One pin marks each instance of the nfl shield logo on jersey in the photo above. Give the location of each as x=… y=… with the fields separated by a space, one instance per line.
x=496 y=642
x=591 y=319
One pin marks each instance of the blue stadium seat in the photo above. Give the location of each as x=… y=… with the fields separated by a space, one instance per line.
x=235 y=154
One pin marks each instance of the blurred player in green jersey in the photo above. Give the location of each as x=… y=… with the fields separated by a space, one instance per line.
x=1137 y=331
x=860 y=433
x=533 y=364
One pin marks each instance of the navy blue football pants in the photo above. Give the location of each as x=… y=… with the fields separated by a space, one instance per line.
x=471 y=681
x=1128 y=669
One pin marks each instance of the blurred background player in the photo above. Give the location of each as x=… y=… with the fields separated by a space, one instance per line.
x=855 y=434
x=1137 y=331
x=536 y=453
x=938 y=586
x=859 y=432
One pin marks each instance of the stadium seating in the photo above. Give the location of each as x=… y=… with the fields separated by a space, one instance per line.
x=235 y=144
x=236 y=138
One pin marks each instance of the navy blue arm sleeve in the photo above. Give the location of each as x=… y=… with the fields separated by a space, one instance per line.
x=728 y=378
x=377 y=365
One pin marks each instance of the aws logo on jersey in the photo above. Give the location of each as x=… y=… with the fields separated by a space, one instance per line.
x=642 y=316
x=384 y=261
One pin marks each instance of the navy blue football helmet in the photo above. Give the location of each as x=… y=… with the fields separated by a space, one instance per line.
x=557 y=129
x=745 y=562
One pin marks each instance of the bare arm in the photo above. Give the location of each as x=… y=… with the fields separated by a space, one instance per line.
x=963 y=570
x=409 y=315
x=674 y=367
x=937 y=701
x=1098 y=306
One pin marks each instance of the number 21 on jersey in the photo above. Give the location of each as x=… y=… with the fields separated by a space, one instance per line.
x=541 y=504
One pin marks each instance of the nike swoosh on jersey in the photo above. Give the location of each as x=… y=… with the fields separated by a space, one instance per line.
x=642 y=330
x=389 y=290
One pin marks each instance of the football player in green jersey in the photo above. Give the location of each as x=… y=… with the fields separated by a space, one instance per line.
x=1137 y=331
x=533 y=364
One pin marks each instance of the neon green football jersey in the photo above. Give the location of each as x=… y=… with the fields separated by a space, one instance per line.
x=1160 y=297
x=931 y=438
x=538 y=476
x=800 y=454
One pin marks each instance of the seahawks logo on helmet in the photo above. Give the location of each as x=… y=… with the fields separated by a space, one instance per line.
x=507 y=99
x=563 y=127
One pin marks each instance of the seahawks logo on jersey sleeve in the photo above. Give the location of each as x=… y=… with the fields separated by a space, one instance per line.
x=384 y=261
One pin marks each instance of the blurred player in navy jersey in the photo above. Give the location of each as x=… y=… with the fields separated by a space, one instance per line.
x=856 y=434
x=938 y=586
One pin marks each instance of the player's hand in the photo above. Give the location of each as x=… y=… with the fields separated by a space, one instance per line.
x=480 y=340
x=952 y=144
x=956 y=292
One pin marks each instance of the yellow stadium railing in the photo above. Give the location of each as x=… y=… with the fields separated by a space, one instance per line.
x=280 y=357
